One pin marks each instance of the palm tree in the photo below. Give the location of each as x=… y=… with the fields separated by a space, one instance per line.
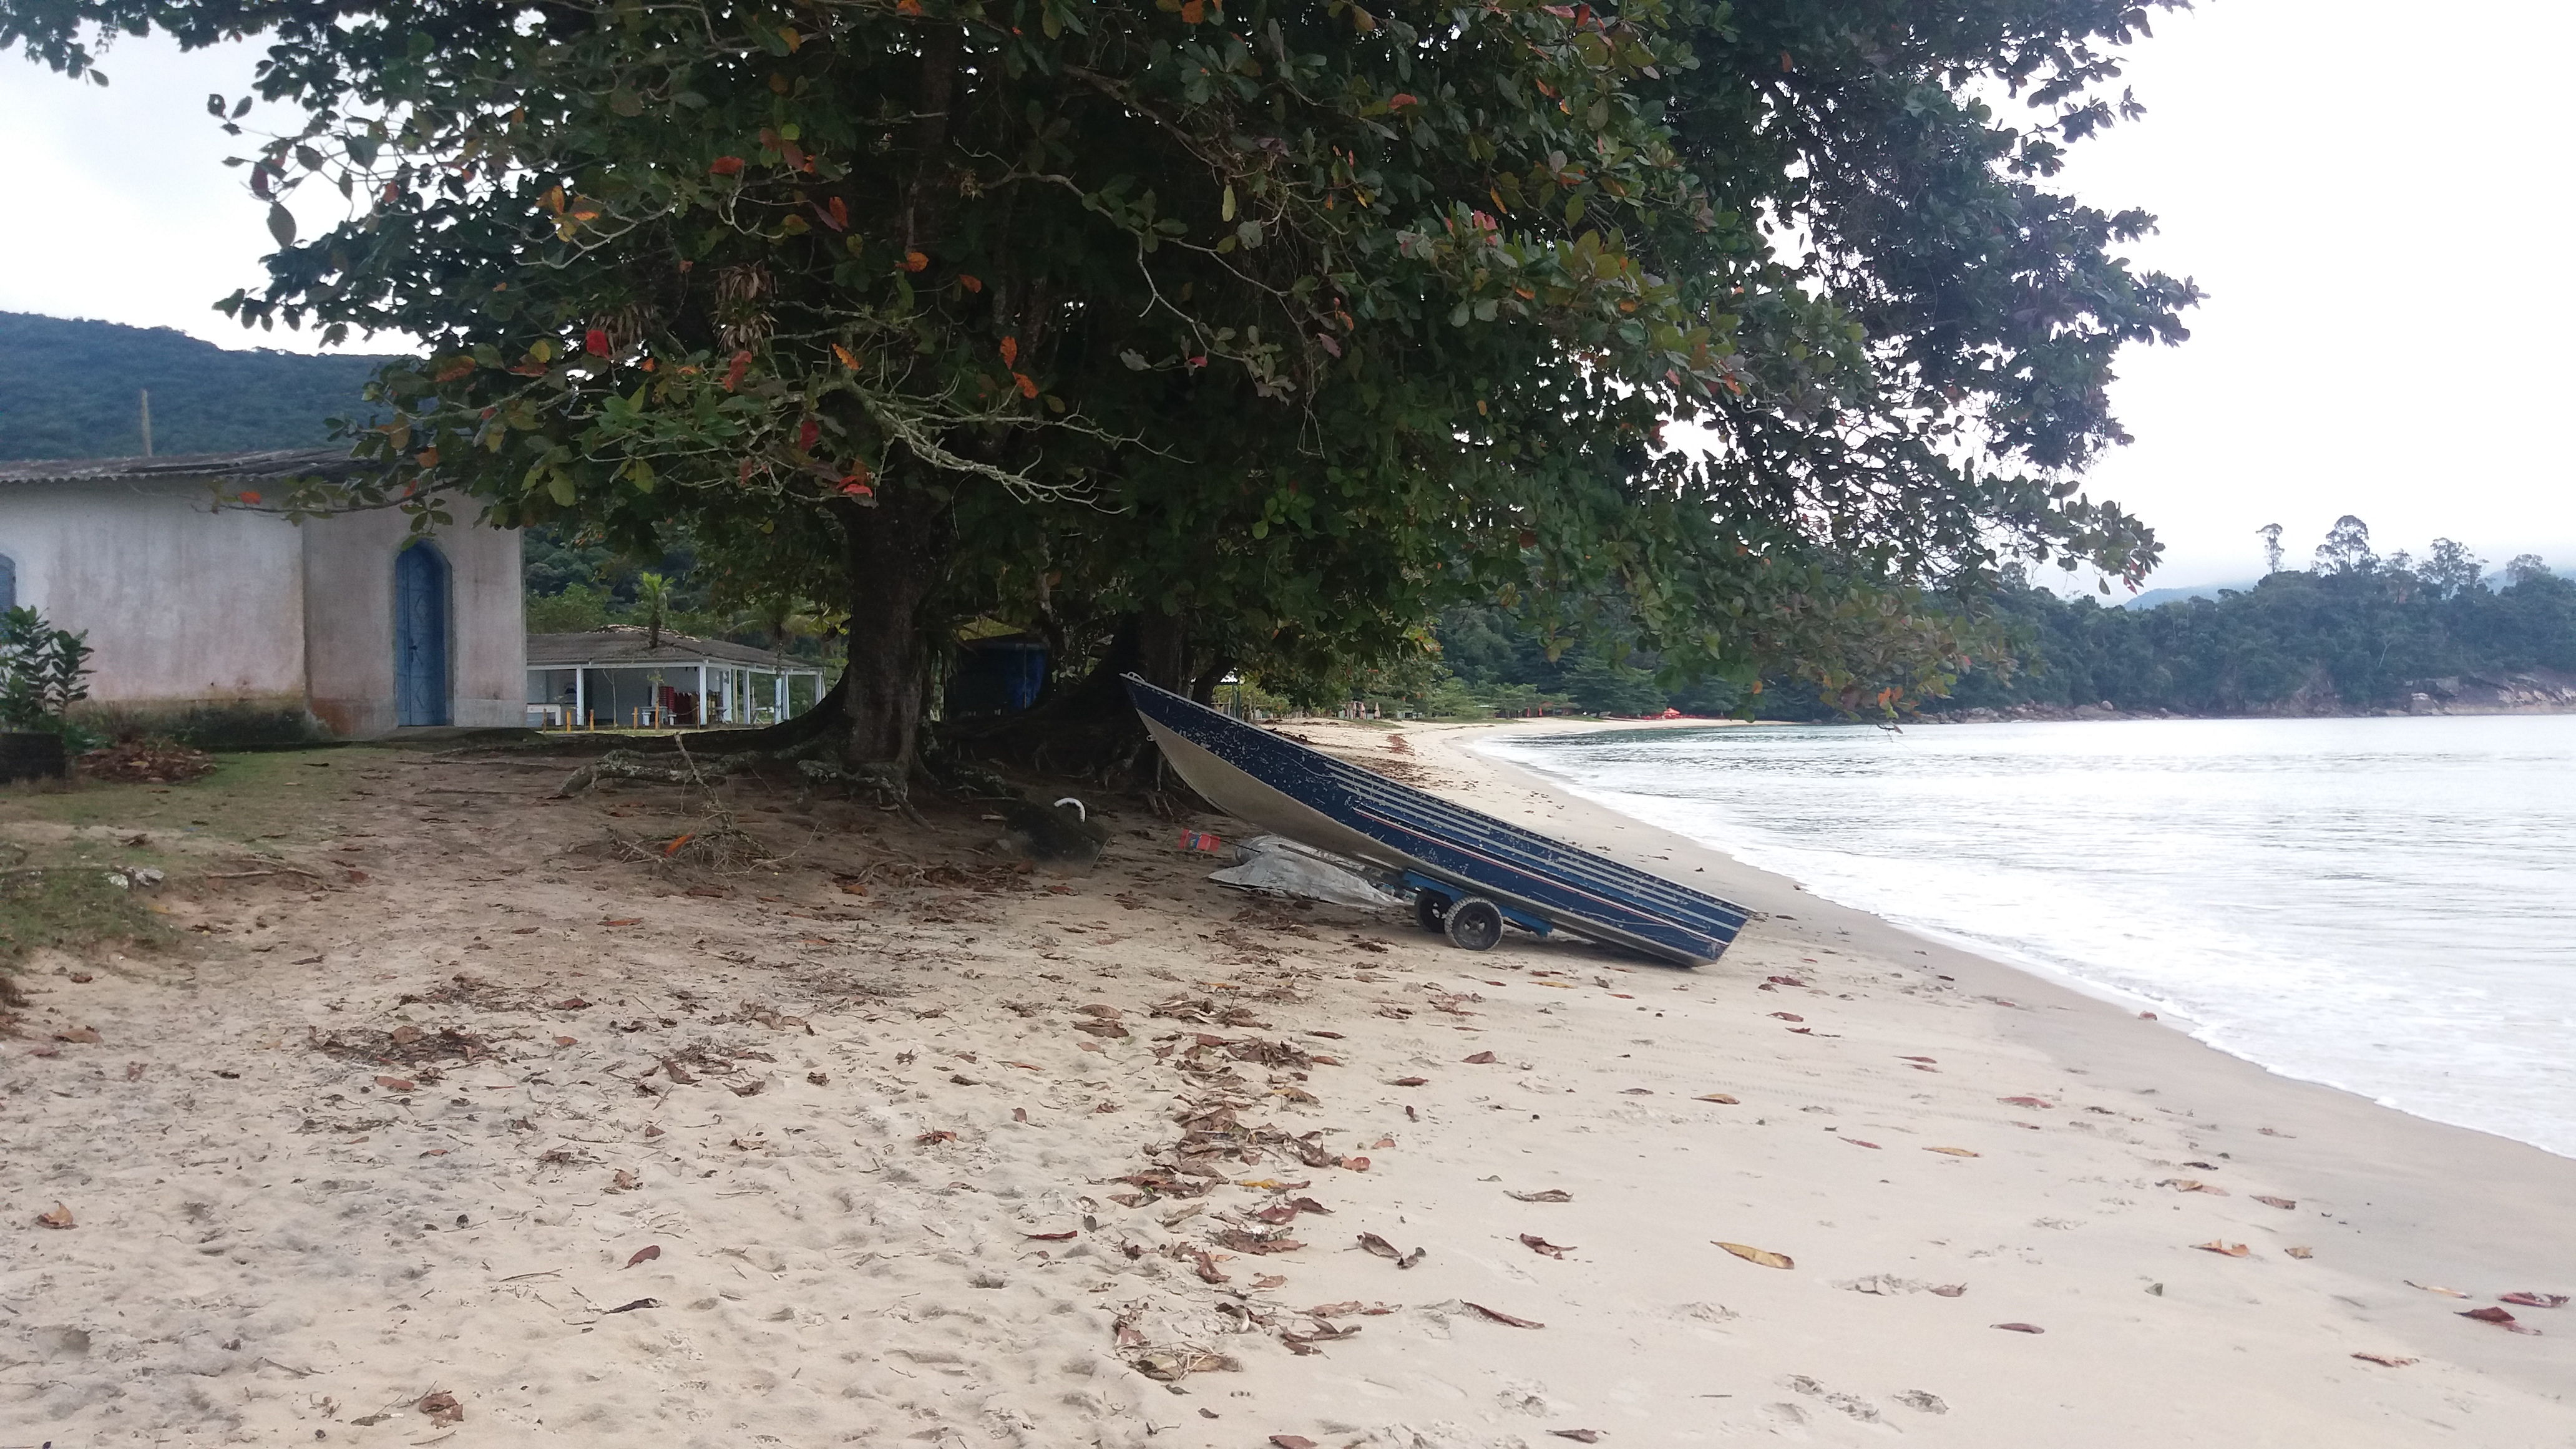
x=653 y=596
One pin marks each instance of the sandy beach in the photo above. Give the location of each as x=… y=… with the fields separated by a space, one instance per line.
x=488 y=1122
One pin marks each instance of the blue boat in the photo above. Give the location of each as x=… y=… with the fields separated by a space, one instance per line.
x=1468 y=873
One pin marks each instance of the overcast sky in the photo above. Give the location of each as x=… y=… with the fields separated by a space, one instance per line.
x=2377 y=197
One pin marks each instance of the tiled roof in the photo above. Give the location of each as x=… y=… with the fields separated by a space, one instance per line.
x=242 y=467
x=623 y=646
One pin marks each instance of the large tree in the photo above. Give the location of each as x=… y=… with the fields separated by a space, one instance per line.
x=1262 y=335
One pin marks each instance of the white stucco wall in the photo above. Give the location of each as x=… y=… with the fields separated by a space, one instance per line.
x=190 y=607
x=183 y=605
x=349 y=621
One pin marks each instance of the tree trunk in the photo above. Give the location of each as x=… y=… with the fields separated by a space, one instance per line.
x=896 y=553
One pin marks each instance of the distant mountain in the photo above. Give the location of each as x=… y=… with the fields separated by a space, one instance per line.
x=68 y=389
x=2158 y=598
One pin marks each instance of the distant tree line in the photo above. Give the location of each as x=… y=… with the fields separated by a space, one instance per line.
x=2354 y=631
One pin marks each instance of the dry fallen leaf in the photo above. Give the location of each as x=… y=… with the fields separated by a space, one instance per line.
x=1856 y=1142
x=1537 y=1244
x=2021 y=1328
x=1269 y=1280
x=2387 y=1360
x=85 y=1035
x=1500 y=1317
x=2436 y=1288
x=645 y=1254
x=623 y=921
x=1763 y=1256
x=1918 y=1059
x=625 y=1181
x=1716 y=1097
x=1949 y=1290
x=2300 y=1252
x=1379 y=1246
x=60 y=1217
x=2229 y=1250
x=2499 y=1318
x=1579 y=1436
x=442 y=1408
x=397 y=1084
x=1952 y=1151
x=1788 y=1016
x=2025 y=1102
x=2285 y=1204
x=564 y=1041
x=2534 y=1300
x=1291 y=1441
x=2193 y=1184
x=1553 y=1194
x=1410 y=1082
x=1480 y=1059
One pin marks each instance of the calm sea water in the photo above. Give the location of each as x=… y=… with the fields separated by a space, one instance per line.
x=2384 y=905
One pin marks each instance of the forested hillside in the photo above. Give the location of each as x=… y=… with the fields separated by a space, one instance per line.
x=2357 y=632
x=2296 y=643
x=69 y=389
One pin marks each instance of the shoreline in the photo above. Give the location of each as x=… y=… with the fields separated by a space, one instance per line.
x=2070 y=977
x=2401 y=1173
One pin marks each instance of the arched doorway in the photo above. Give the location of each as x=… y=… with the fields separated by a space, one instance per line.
x=420 y=637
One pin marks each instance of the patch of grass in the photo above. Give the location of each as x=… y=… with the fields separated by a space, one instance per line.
x=71 y=906
x=267 y=794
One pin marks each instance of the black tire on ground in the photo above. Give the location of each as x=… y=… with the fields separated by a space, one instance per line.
x=1475 y=924
x=1431 y=911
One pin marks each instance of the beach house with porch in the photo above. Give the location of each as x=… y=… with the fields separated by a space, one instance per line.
x=623 y=677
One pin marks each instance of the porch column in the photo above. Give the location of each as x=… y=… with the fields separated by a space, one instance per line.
x=581 y=697
x=702 y=694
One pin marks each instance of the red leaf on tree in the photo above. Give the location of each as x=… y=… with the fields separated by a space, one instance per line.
x=808 y=434
x=970 y=281
x=1028 y=388
x=1399 y=101
x=1010 y=352
x=247 y=496
x=726 y=166
x=733 y=374
x=914 y=261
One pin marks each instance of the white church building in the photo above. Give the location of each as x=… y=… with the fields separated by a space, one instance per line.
x=347 y=620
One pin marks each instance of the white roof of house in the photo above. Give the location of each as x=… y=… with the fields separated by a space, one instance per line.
x=625 y=646
x=242 y=467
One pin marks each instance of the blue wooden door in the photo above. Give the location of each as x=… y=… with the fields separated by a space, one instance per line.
x=420 y=637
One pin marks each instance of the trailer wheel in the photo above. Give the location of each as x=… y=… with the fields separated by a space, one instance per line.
x=1431 y=911
x=1475 y=924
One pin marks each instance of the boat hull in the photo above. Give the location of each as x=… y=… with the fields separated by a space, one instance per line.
x=1323 y=802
